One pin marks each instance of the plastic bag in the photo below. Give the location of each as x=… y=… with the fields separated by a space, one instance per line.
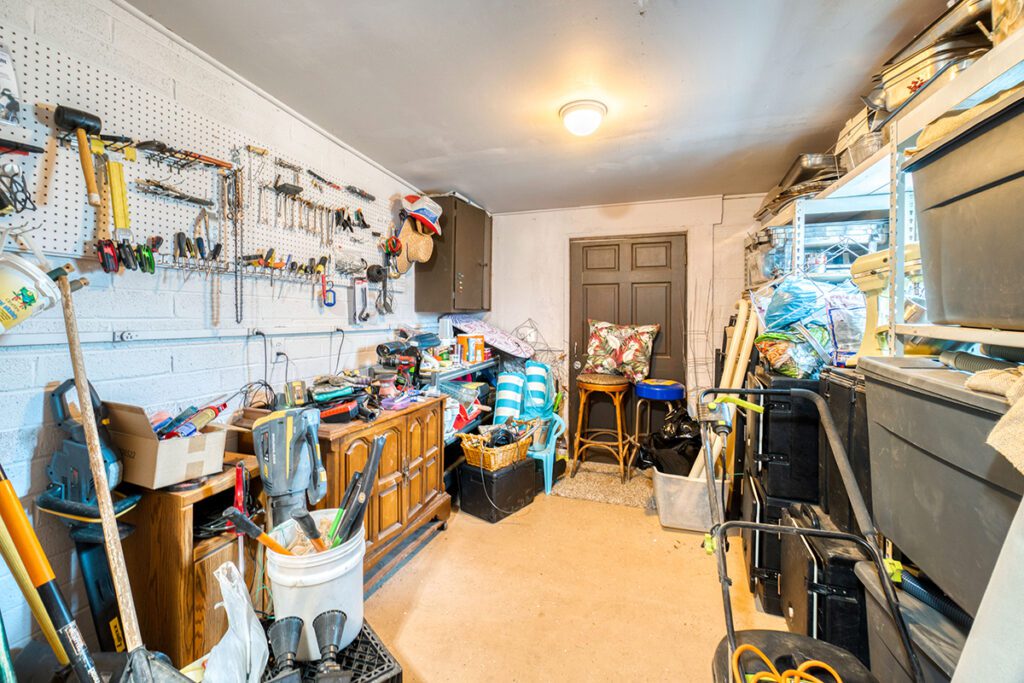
x=788 y=353
x=241 y=655
x=796 y=300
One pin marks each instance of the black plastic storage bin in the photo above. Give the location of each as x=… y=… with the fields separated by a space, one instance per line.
x=763 y=551
x=936 y=639
x=782 y=443
x=843 y=390
x=493 y=496
x=821 y=594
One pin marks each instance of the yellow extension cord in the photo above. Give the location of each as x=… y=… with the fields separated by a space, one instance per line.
x=797 y=675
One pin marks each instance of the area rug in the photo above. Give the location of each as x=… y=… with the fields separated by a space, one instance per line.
x=599 y=482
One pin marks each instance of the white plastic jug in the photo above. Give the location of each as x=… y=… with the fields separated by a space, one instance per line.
x=306 y=585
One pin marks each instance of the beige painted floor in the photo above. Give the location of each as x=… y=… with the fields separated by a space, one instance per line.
x=564 y=590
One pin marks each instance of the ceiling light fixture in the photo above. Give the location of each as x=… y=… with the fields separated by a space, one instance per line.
x=582 y=117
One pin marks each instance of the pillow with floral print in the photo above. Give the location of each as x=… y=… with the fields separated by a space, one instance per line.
x=620 y=349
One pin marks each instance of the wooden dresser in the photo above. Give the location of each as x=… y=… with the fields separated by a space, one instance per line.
x=410 y=485
x=171 y=571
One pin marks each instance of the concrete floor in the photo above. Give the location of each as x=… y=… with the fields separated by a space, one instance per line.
x=565 y=590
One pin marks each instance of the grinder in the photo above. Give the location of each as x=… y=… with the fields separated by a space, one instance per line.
x=82 y=124
x=288 y=451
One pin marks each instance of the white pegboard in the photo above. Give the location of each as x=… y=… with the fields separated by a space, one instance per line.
x=65 y=225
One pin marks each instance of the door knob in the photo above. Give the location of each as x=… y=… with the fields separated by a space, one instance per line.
x=577 y=365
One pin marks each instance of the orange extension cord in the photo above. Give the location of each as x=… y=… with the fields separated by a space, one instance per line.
x=797 y=675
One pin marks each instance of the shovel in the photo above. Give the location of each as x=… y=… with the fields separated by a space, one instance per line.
x=142 y=666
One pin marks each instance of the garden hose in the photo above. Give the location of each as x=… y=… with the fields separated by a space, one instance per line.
x=772 y=675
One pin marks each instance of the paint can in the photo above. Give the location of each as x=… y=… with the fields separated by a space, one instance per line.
x=25 y=291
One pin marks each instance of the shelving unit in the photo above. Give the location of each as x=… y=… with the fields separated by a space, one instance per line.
x=435 y=378
x=880 y=183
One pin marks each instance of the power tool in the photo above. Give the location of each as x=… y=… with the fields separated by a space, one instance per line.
x=71 y=496
x=288 y=451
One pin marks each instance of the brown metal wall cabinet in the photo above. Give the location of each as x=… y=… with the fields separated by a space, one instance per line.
x=458 y=275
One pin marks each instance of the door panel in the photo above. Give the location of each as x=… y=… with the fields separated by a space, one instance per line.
x=628 y=280
x=653 y=301
x=390 y=511
x=413 y=466
x=354 y=455
x=433 y=453
x=469 y=257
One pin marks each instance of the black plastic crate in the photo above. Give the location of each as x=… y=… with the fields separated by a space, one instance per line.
x=821 y=595
x=763 y=551
x=843 y=390
x=493 y=496
x=782 y=443
x=366 y=658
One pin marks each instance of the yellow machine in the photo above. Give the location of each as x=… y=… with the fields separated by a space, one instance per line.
x=871 y=274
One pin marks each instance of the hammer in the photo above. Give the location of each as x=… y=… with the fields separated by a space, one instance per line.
x=82 y=124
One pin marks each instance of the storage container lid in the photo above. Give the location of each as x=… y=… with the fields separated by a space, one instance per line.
x=926 y=375
x=934 y=636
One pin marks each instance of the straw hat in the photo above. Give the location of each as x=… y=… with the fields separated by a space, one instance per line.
x=416 y=246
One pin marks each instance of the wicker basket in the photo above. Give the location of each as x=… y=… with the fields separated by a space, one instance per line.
x=493 y=458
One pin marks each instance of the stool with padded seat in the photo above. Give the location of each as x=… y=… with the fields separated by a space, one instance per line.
x=667 y=391
x=615 y=387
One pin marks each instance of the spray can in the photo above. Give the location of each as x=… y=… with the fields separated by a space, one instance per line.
x=25 y=291
x=166 y=430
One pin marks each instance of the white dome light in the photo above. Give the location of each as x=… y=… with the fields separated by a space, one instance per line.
x=582 y=117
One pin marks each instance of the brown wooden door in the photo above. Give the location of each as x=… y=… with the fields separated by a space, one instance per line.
x=415 y=460
x=388 y=497
x=470 y=262
x=628 y=280
x=355 y=454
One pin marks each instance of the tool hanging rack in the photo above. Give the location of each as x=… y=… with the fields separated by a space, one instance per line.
x=155 y=138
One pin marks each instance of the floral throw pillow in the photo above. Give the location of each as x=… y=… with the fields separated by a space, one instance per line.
x=620 y=349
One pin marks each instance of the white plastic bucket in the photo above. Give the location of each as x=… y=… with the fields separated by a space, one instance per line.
x=306 y=585
x=25 y=290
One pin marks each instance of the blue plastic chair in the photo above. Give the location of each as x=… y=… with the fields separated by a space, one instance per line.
x=546 y=452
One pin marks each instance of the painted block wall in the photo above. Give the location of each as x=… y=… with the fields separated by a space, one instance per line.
x=202 y=353
x=531 y=264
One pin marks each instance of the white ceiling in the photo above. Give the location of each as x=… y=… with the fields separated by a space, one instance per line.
x=703 y=97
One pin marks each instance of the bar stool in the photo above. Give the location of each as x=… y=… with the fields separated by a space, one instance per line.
x=670 y=392
x=616 y=387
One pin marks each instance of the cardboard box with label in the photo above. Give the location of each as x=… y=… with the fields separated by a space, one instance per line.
x=154 y=463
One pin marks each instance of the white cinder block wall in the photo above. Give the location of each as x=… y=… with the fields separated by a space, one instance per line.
x=205 y=354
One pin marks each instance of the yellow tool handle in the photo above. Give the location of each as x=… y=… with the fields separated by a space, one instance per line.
x=85 y=157
x=116 y=205
x=124 y=197
x=738 y=402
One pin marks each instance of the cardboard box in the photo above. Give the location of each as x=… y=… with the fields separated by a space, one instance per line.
x=147 y=461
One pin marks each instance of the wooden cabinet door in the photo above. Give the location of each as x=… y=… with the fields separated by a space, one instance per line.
x=433 y=452
x=418 y=425
x=469 y=257
x=210 y=623
x=387 y=499
x=354 y=454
